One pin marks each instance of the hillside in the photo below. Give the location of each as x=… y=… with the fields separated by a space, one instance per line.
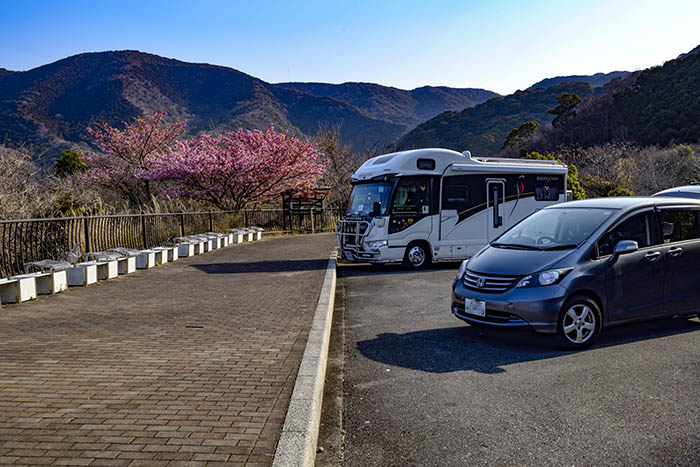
x=595 y=81
x=398 y=105
x=482 y=129
x=659 y=105
x=49 y=107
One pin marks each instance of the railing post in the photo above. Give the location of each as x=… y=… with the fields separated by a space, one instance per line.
x=245 y=217
x=182 y=224
x=86 y=231
x=211 y=221
x=143 y=231
x=313 y=230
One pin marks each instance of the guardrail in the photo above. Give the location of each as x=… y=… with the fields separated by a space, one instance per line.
x=25 y=240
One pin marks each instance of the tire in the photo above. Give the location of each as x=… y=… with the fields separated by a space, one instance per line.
x=579 y=323
x=417 y=256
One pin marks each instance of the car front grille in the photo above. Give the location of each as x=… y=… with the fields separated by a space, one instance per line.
x=488 y=282
x=352 y=232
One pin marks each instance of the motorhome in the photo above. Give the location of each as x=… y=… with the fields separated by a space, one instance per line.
x=431 y=205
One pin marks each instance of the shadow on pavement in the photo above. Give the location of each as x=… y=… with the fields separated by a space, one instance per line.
x=364 y=269
x=263 y=266
x=487 y=350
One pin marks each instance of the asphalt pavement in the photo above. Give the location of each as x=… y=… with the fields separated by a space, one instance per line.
x=423 y=388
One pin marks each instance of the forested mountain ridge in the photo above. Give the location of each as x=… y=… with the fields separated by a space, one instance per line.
x=483 y=128
x=656 y=106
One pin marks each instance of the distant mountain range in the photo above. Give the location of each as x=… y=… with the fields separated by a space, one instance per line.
x=51 y=106
x=398 y=105
x=595 y=81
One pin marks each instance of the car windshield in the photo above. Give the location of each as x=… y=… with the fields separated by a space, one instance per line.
x=554 y=229
x=364 y=195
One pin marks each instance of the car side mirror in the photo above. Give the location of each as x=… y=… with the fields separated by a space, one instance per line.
x=624 y=247
x=376 y=209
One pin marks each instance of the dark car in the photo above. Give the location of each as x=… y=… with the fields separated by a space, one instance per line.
x=576 y=267
x=687 y=191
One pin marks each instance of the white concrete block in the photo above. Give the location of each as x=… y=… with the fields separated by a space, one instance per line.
x=25 y=289
x=250 y=236
x=7 y=291
x=237 y=237
x=58 y=282
x=146 y=259
x=161 y=255
x=82 y=274
x=107 y=269
x=126 y=265
x=186 y=250
x=173 y=254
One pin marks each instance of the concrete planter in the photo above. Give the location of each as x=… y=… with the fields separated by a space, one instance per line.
x=82 y=274
x=146 y=259
x=161 y=256
x=185 y=250
x=7 y=290
x=49 y=283
x=107 y=269
x=126 y=265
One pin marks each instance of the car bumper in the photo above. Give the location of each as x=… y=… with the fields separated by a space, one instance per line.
x=383 y=255
x=537 y=307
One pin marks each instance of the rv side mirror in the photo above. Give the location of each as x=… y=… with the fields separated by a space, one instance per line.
x=624 y=247
x=376 y=209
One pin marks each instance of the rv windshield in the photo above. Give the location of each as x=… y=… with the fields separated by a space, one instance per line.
x=364 y=195
x=554 y=229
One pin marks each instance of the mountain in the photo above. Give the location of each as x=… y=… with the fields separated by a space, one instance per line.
x=51 y=106
x=656 y=106
x=595 y=81
x=398 y=105
x=483 y=128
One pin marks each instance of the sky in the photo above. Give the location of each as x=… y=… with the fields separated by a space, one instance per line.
x=498 y=45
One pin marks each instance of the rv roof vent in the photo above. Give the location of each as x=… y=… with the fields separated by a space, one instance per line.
x=467 y=154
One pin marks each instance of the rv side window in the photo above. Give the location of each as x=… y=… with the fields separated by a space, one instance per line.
x=412 y=197
x=456 y=197
x=547 y=188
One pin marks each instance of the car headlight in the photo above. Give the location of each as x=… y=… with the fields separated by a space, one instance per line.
x=377 y=244
x=462 y=269
x=543 y=278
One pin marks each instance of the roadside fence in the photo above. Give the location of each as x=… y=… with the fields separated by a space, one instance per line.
x=26 y=240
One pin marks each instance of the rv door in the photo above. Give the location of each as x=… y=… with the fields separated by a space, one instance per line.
x=495 y=198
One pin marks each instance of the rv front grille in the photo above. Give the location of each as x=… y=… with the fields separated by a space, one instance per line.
x=351 y=232
x=488 y=282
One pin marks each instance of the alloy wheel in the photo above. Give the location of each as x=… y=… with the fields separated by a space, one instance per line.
x=579 y=323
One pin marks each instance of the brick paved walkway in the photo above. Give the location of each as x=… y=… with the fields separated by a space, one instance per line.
x=192 y=363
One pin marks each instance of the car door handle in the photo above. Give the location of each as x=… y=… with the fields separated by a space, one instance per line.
x=675 y=251
x=652 y=256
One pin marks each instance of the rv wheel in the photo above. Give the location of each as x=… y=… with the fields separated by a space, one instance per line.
x=417 y=255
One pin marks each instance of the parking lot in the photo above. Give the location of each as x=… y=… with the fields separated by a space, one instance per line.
x=423 y=388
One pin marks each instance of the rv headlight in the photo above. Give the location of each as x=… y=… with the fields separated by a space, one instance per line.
x=462 y=269
x=377 y=244
x=543 y=278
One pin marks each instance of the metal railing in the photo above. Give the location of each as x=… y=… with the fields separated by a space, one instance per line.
x=26 y=240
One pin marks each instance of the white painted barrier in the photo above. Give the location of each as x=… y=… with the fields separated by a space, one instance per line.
x=82 y=274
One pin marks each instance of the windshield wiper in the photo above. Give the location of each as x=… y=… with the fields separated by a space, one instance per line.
x=560 y=247
x=516 y=246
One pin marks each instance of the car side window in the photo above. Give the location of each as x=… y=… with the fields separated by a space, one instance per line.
x=638 y=228
x=678 y=225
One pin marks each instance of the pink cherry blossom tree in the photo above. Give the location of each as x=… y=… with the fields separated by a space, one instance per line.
x=127 y=152
x=238 y=168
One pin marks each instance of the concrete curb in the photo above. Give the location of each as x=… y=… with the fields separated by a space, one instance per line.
x=297 y=444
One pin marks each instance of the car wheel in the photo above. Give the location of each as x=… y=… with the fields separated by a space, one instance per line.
x=579 y=323
x=417 y=256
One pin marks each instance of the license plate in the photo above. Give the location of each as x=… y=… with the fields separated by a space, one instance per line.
x=475 y=307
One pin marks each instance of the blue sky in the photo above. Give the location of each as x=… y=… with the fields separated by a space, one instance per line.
x=497 y=45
